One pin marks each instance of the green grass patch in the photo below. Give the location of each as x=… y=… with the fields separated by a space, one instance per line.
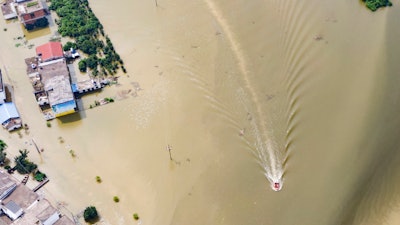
x=30 y=4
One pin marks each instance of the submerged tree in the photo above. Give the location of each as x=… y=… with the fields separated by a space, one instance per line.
x=3 y=154
x=78 y=21
x=3 y=145
x=90 y=214
x=373 y=5
x=22 y=164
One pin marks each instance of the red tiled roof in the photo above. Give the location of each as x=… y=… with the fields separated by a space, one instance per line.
x=50 y=51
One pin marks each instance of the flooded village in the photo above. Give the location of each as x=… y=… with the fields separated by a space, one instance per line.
x=57 y=93
x=54 y=90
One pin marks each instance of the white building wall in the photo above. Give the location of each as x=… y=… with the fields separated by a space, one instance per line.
x=52 y=219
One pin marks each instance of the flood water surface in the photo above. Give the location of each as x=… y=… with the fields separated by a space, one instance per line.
x=246 y=94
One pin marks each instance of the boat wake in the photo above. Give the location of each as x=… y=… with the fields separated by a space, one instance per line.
x=266 y=151
x=276 y=181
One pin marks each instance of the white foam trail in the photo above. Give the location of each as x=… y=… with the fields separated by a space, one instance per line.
x=265 y=150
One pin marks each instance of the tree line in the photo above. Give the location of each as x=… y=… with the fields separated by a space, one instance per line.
x=77 y=20
x=22 y=164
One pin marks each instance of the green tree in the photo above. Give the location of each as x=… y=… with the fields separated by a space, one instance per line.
x=91 y=61
x=77 y=20
x=3 y=154
x=42 y=22
x=82 y=65
x=39 y=176
x=3 y=145
x=69 y=45
x=29 y=26
x=90 y=214
x=22 y=164
x=373 y=5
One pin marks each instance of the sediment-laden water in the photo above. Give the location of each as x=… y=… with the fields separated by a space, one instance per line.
x=246 y=94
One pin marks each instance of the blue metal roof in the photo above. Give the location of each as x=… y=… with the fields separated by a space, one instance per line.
x=8 y=111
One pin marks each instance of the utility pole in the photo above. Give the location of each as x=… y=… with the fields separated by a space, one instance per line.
x=169 y=148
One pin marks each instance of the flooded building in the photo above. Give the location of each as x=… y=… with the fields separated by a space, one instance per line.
x=22 y=206
x=50 y=77
x=2 y=90
x=49 y=51
x=8 y=10
x=57 y=92
x=31 y=11
x=9 y=116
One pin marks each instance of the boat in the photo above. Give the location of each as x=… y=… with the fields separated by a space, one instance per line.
x=277 y=185
x=276 y=182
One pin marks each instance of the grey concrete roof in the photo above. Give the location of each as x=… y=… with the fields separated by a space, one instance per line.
x=13 y=207
x=55 y=77
x=5 y=183
x=23 y=196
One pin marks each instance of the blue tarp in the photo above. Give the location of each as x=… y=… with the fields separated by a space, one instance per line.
x=8 y=111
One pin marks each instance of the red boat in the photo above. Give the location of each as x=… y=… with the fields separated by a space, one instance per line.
x=277 y=186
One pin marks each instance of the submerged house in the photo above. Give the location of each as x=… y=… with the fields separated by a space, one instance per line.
x=8 y=10
x=9 y=116
x=56 y=84
x=31 y=11
x=50 y=78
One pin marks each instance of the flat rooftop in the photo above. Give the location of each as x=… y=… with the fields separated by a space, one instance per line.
x=31 y=65
x=30 y=6
x=40 y=208
x=55 y=77
x=23 y=196
x=8 y=10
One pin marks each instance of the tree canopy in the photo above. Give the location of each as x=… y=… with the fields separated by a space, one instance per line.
x=3 y=154
x=79 y=22
x=22 y=164
x=90 y=214
x=373 y=5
